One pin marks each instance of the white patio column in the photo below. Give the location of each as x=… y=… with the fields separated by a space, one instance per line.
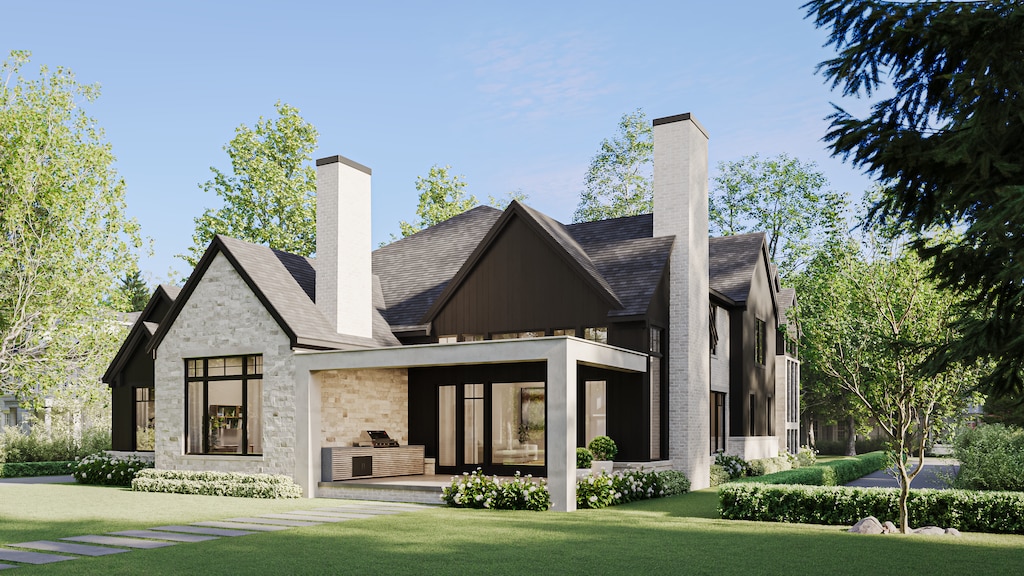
x=561 y=428
x=307 y=431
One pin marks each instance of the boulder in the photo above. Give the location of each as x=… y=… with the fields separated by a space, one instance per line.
x=869 y=525
x=952 y=531
x=889 y=528
x=929 y=531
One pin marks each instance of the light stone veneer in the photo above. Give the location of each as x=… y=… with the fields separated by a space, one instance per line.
x=753 y=447
x=223 y=317
x=363 y=399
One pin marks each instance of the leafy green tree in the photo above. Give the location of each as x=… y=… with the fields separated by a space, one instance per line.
x=269 y=196
x=867 y=328
x=134 y=291
x=946 y=136
x=64 y=237
x=782 y=197
x=619 y=181
x=442 y=196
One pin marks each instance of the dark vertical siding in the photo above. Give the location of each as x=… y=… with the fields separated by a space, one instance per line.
x=746 y=375
x=521 y=283
x=122 y=427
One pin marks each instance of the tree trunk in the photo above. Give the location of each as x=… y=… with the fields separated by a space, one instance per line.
x=811 y=443
x=904 y=478
x=851 y=436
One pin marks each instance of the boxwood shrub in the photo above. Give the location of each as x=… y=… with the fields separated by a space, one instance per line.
x=991 y=458
x=833 y=473
x=24 y=469
x=969 y=511
x=104 y=469
x=217 y=484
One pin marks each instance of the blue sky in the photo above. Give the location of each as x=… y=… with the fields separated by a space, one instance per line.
x=514 y=96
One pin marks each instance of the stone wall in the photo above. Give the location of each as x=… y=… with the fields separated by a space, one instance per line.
x=223 y=317
x=370 y=399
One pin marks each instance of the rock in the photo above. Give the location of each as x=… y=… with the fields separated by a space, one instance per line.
x=869 y=525
x=889 y=528
x=929 y=531
x=952 y=531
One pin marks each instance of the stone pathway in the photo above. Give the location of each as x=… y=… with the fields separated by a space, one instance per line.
x=72 y=547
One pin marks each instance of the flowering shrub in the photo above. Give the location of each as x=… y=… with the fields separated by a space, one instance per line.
x=718 y=475
x=604 y=490
x=597 y=491
x=806 y=457
x=479 y=491
x=584 y=457
x=217 y=484
x=762 y=466
x=734 y=466
x=101 y=468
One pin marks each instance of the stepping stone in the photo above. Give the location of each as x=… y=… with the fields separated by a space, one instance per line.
x=303 y=517
x=172 y=536
x=69 y=548
x=276 y=522
x=118 y=541
x=31 y=557
x=364 y=511
x=242 y=526
x=322 y=514
x=202 y=530
x=6 y=566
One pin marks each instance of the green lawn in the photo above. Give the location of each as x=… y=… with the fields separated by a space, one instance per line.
x=677 y=535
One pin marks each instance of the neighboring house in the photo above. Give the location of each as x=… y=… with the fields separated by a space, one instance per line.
x=497 y=339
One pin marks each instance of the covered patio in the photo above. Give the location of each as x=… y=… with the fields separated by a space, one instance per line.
x=561 y=356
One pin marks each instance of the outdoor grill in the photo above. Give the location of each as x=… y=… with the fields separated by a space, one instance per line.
x=377 y=439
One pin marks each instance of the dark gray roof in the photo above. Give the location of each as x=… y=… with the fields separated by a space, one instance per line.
x=415 y=270
x=288 y=282
x=731 y=263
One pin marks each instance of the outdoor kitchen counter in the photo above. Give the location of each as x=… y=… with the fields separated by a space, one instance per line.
x=349 y=462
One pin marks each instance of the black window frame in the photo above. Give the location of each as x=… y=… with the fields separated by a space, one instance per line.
x=205 y=379
x=760 y=341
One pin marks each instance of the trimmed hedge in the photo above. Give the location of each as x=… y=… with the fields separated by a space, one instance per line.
x=217 y=484
x=26 y=469
x=991 y=458
x=1001 y=512
x=834 y=473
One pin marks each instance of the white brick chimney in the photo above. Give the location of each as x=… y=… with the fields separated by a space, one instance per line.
x=681 y=210
x=344 y=279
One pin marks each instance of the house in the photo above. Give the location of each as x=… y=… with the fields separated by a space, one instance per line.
x=497 y=339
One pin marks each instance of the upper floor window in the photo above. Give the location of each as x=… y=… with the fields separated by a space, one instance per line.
x=760 y=341
x=517 y=335
x=597 y=334
x=472 y=337
x=449 y=339
x=564 y=332
x=713 y=327
x=655 y=336
x=224 y=405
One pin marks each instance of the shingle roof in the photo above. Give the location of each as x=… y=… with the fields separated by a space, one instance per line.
x=731 y=263
x=415 y=270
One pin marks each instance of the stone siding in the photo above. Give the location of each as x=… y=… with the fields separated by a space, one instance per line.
x=223 y=317
x=369 y=399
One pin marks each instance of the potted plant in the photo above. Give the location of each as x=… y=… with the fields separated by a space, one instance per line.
x=584 y=457
x=604 y=450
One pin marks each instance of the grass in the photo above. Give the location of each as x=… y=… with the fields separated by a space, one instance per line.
x=679 y=535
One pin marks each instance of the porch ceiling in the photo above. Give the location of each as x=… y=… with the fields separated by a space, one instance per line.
x=485 y=352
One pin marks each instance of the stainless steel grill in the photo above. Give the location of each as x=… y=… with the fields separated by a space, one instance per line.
x=376 y=439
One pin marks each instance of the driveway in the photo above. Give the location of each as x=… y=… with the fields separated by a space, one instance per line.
x=937 y=473
x=38 y=480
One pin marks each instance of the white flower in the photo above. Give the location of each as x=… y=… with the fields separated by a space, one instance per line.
x=479 y=497
x=593 y=498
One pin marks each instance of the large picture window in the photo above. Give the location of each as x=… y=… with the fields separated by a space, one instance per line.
x=145 y=415
x=224 y=405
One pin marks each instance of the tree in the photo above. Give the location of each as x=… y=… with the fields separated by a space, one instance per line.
x=948 y=144
x=782 y=197
x=620 y=179
x=269 y=197
x=442 y=196
x=64 y=237
x=868 y=328
x=134 y=291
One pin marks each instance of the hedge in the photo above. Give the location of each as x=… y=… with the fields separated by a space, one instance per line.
x=969 y=511
x=217 y=484
x=25 y=469
x=834 y=473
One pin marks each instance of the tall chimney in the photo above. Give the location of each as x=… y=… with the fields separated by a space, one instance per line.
x=344 y=279
x=681 y=210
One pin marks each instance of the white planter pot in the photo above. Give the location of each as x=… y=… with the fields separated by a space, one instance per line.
x=582 y=473
x=601 y=466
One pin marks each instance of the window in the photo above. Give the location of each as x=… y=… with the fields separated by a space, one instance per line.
x=717 y=421
x=473 y=423
x=753 y=412
x=595 y=423
x=145 y=414
x=771 y=415
x=655 y=337
x=449 y=339
x=564 y=332
x=596 y=334
x=713 y=324
x=224 y=405
x=760 y=341
x=472 y=337
x=517 y=335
